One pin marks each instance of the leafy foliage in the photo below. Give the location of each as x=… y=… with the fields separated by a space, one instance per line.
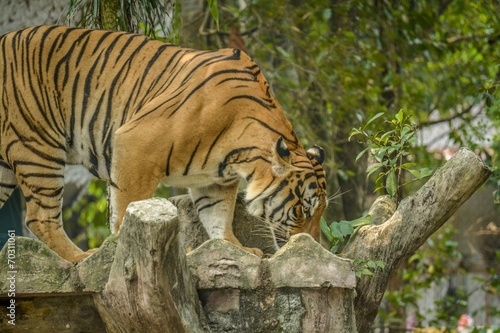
x=91 y=214
x=436 y=262
x=334 y=65
x=388 y=151
x=338 y=233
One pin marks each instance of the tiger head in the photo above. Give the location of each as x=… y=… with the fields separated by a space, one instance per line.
x=292 y=198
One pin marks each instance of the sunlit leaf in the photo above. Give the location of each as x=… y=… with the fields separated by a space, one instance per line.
x=400 y=116
x=214 y=11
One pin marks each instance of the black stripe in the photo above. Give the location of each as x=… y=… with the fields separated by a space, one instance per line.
x=186 y=171
x=237 y=79
x=72 y=118
x=209 y=205
x=118 y=79
x=257 y=100
x=200 y=64
x=34 y=164
x=200 y=199
x=4 y=164
x=293 y=141
x=199 y=86
x=167 y=172
x=41 y=175
x=205 y=161
x=249 y=201
x=281 y=206
x=51 y=50
x=238 y=151
x=44 y=221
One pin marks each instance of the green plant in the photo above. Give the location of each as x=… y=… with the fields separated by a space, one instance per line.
x=337 y=233
x=366 y=267
x=91 y=215
x=388 y=152
x=142 y=16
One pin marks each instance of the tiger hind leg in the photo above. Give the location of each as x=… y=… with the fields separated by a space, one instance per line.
x=8 y=182
x=43 y=190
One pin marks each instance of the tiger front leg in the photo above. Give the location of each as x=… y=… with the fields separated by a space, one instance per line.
x=215 y=206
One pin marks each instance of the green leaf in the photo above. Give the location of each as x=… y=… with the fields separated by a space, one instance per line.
x=450 y=243
x=354 y=132
x=372 y=168
x=400 y=116
x=346 y=228
x=408 y=165
x=366 y=271
x=214 y=11
x=421 y=173
x=415 y=173
x=386 y=136
x=360 y=221
x=336 y=232
x=391 y=183
x=375 y=117
x=425 y=172
x=326 y=230
x=362 y=153
x=283 y=52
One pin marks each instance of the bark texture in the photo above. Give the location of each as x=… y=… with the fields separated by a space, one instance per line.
x=415 y=220
x=149 y=283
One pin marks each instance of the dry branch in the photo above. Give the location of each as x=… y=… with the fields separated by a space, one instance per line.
x=413 y=222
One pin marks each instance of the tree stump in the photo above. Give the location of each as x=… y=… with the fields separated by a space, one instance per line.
x=149 y=283
x=141 y=280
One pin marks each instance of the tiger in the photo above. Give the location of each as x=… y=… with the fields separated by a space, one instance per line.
x=137 y=112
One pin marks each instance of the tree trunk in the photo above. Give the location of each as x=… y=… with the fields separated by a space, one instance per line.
x=150 y=264
x=109 y=10
x=415 y=220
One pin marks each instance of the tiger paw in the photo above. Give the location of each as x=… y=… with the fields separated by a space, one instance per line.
x=253 y=250
x=75 y=259
x=232 y=239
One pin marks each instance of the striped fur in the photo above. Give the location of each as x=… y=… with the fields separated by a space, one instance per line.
x=135 y=112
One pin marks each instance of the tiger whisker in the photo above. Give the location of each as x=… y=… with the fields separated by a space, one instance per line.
x=336 y=195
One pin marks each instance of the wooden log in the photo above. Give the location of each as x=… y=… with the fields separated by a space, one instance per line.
x=149 y=283
x=414 y=221
x=138 y=282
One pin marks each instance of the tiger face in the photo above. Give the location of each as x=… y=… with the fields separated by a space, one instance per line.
x=294 y=200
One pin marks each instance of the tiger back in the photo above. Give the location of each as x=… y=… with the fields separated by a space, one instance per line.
x=136 y=112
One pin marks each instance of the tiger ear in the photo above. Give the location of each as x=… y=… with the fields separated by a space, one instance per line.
x=317 y=153
x=281 y=158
